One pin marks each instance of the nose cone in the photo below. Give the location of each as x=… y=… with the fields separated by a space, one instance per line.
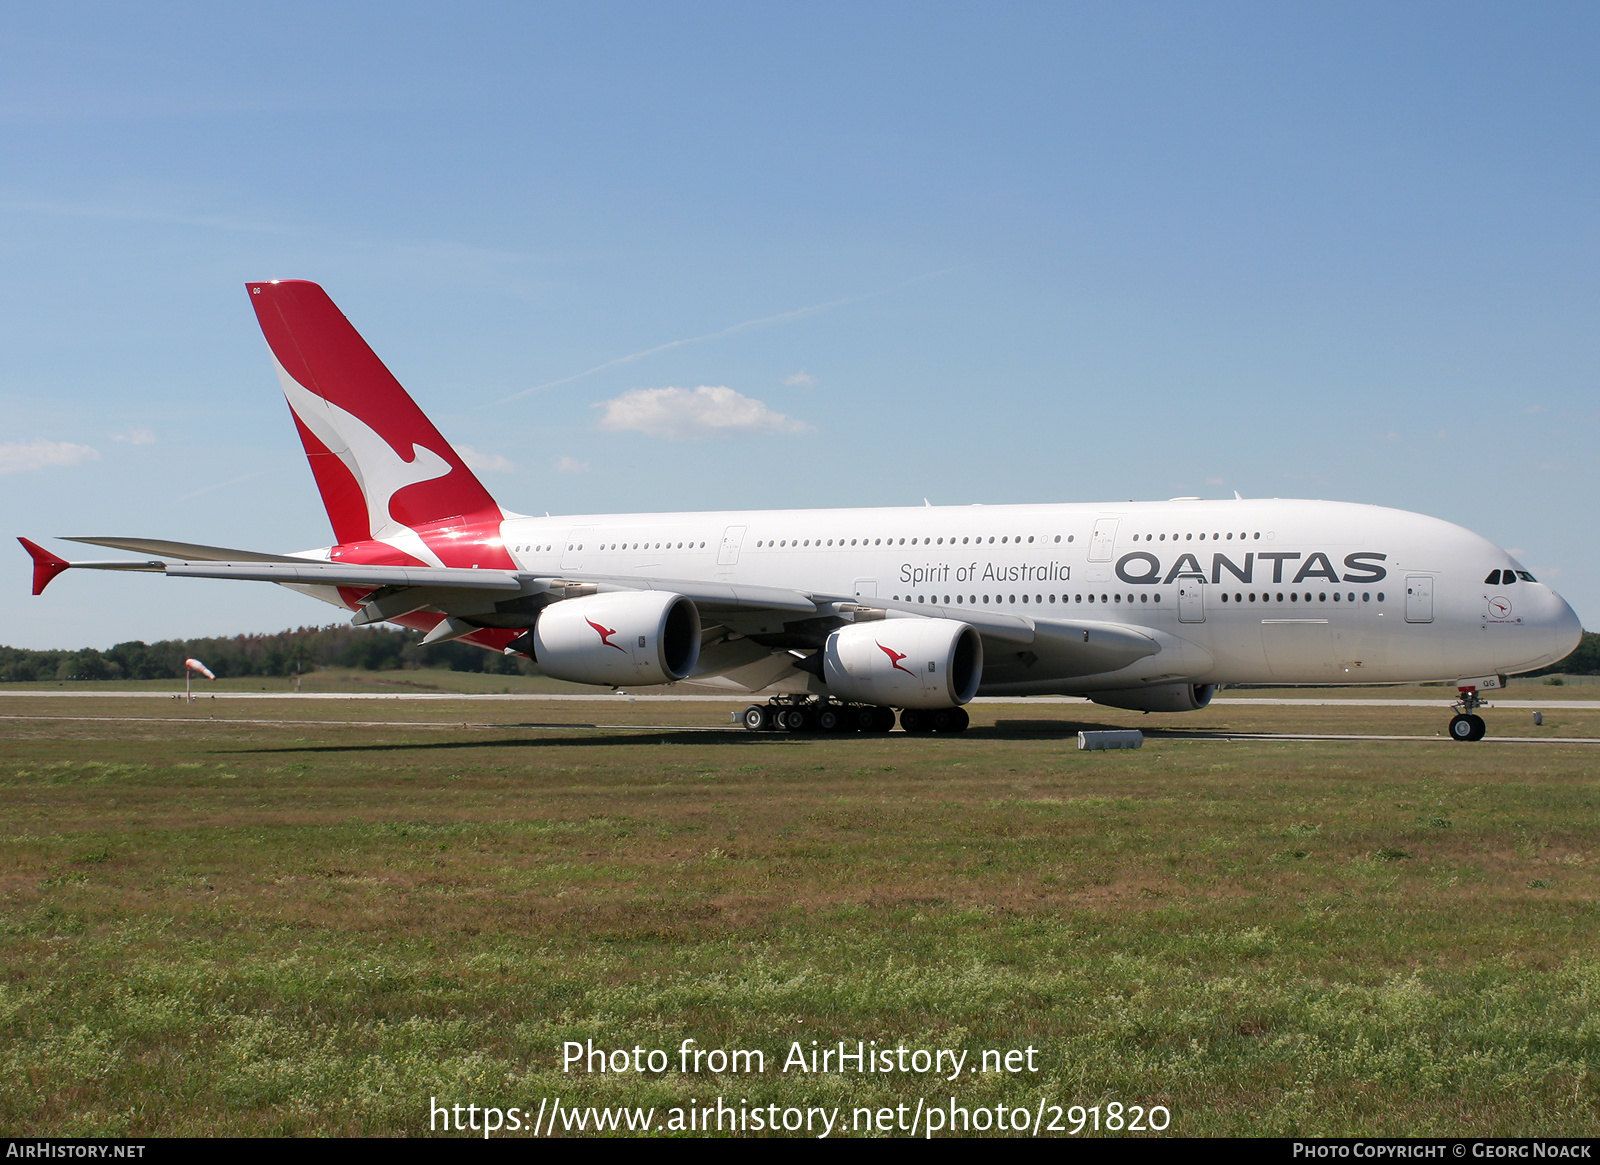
x=1565 y=630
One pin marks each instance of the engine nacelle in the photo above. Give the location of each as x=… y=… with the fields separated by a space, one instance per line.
x=904 y=663
x=1158 y=697
x=632 y=637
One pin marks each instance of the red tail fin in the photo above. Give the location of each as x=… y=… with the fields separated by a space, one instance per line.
x=45 y=565
x=382 y=468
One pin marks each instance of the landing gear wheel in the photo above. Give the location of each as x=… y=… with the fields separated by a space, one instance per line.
x=831 y=719
x=755 y=718
x=951 y=720
x=792 y=720
x=864 y=718
x=916 y=720
x=1466 y=724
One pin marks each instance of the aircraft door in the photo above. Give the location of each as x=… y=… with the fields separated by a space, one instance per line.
x=577 y=545
x=1103 y=540
x=1191 y=599
x=728 y=552
x=1419 y=598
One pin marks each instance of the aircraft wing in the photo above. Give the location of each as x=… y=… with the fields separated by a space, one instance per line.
x=464 y=591
x=188 y=551
x=256 y=567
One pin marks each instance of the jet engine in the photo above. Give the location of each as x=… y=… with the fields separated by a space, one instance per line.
x=1158 y=697
x=631 y=637
x=904 y=663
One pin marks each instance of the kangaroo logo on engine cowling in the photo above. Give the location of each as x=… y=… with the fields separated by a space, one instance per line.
x=894 y=659
x=605 y=634
x=1143 y=569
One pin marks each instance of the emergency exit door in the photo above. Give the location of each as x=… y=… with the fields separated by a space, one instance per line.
x=1192 y=599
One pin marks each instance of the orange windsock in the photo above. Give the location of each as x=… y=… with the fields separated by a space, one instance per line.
x=196 y=665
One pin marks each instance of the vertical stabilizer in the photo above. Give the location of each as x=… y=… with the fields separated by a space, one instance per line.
x=382 y=468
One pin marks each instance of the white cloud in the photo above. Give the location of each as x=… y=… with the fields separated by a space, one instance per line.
x=485 y=462
x=801 y=379
x=572 y=465
x=681 y=414
x=20 y=456
x=138 y=435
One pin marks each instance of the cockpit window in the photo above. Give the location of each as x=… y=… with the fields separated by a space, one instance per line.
x=1523 y=575
x=1493 y=580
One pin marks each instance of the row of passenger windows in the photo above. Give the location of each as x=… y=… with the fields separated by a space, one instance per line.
x=1143 y=597
x=1004 y=539
x=616 y=546
x=1296 y=597
x=972 y=600
x=1504 y=578
x=1215 y=537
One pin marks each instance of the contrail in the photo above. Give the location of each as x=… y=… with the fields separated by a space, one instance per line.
x=205 y=489
x=780 y=318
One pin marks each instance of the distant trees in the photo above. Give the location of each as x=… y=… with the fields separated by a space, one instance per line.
x=364 y=648
x=281 y=654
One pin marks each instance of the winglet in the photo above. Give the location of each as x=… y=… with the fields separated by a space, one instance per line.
x=45 y=565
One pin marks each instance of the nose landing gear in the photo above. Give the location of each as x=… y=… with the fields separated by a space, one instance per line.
x=1466 y=724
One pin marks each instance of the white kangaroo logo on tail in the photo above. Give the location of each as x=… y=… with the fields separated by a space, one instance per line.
x=378 y=469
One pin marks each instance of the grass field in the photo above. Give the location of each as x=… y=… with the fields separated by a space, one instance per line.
x=264 y=916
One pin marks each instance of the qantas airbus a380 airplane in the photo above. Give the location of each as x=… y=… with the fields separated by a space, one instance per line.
x=851 y=614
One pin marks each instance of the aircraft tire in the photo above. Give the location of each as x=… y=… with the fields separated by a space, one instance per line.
x=755 y=718
x=951 y=720
x=1462 y=728
x=831 y=719
x=1479 y=728
x=916 y=720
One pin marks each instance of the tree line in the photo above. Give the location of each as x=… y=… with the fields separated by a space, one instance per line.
x=304 y=649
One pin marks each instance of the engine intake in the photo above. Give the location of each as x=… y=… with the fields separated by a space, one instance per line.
x=1158 y=698
x=904 y=663
x=633 y=637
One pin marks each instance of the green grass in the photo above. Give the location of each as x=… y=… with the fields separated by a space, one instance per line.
x=294 y=928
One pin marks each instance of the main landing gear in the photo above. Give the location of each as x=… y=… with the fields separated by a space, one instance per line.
x=788 y=714
x=1466 y=724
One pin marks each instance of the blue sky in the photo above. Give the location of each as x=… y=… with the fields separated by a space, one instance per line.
x=985 y=253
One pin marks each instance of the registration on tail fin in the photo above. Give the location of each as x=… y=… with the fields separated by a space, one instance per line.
x=382 y=468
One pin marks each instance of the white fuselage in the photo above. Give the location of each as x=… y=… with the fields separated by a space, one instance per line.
x=1243 y=591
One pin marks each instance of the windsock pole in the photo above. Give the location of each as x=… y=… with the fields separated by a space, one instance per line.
x=190 y=666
